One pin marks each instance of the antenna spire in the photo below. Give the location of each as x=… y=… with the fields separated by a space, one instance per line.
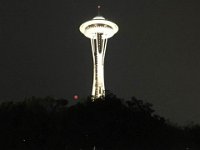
x=99 y=10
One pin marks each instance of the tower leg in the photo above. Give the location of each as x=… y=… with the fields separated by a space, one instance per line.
x=98 y=52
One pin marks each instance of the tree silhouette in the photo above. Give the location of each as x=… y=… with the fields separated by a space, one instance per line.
x=108 y=123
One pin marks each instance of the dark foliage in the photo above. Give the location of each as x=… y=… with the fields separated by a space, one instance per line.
x=107 y=124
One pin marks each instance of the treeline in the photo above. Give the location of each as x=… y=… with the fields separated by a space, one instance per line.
x=108 y=124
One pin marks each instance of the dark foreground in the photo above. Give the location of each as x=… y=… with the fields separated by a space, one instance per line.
x=109 y=124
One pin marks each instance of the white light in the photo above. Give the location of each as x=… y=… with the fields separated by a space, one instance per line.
x=99 y=25
x=98 y=30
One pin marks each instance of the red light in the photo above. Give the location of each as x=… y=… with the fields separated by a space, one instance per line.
x=76 y=97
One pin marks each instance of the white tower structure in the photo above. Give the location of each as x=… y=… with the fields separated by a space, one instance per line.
x=99 y=30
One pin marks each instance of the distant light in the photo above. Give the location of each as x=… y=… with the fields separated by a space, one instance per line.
x=76 y=97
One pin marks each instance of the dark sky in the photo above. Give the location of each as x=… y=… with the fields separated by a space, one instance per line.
x=154 y=56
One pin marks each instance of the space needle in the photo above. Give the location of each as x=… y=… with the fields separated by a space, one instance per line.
x=99 y=30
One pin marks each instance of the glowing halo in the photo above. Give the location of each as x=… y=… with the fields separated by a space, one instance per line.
x=98 y=25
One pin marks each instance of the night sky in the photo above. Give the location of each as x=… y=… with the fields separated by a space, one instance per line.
x=154 y=56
